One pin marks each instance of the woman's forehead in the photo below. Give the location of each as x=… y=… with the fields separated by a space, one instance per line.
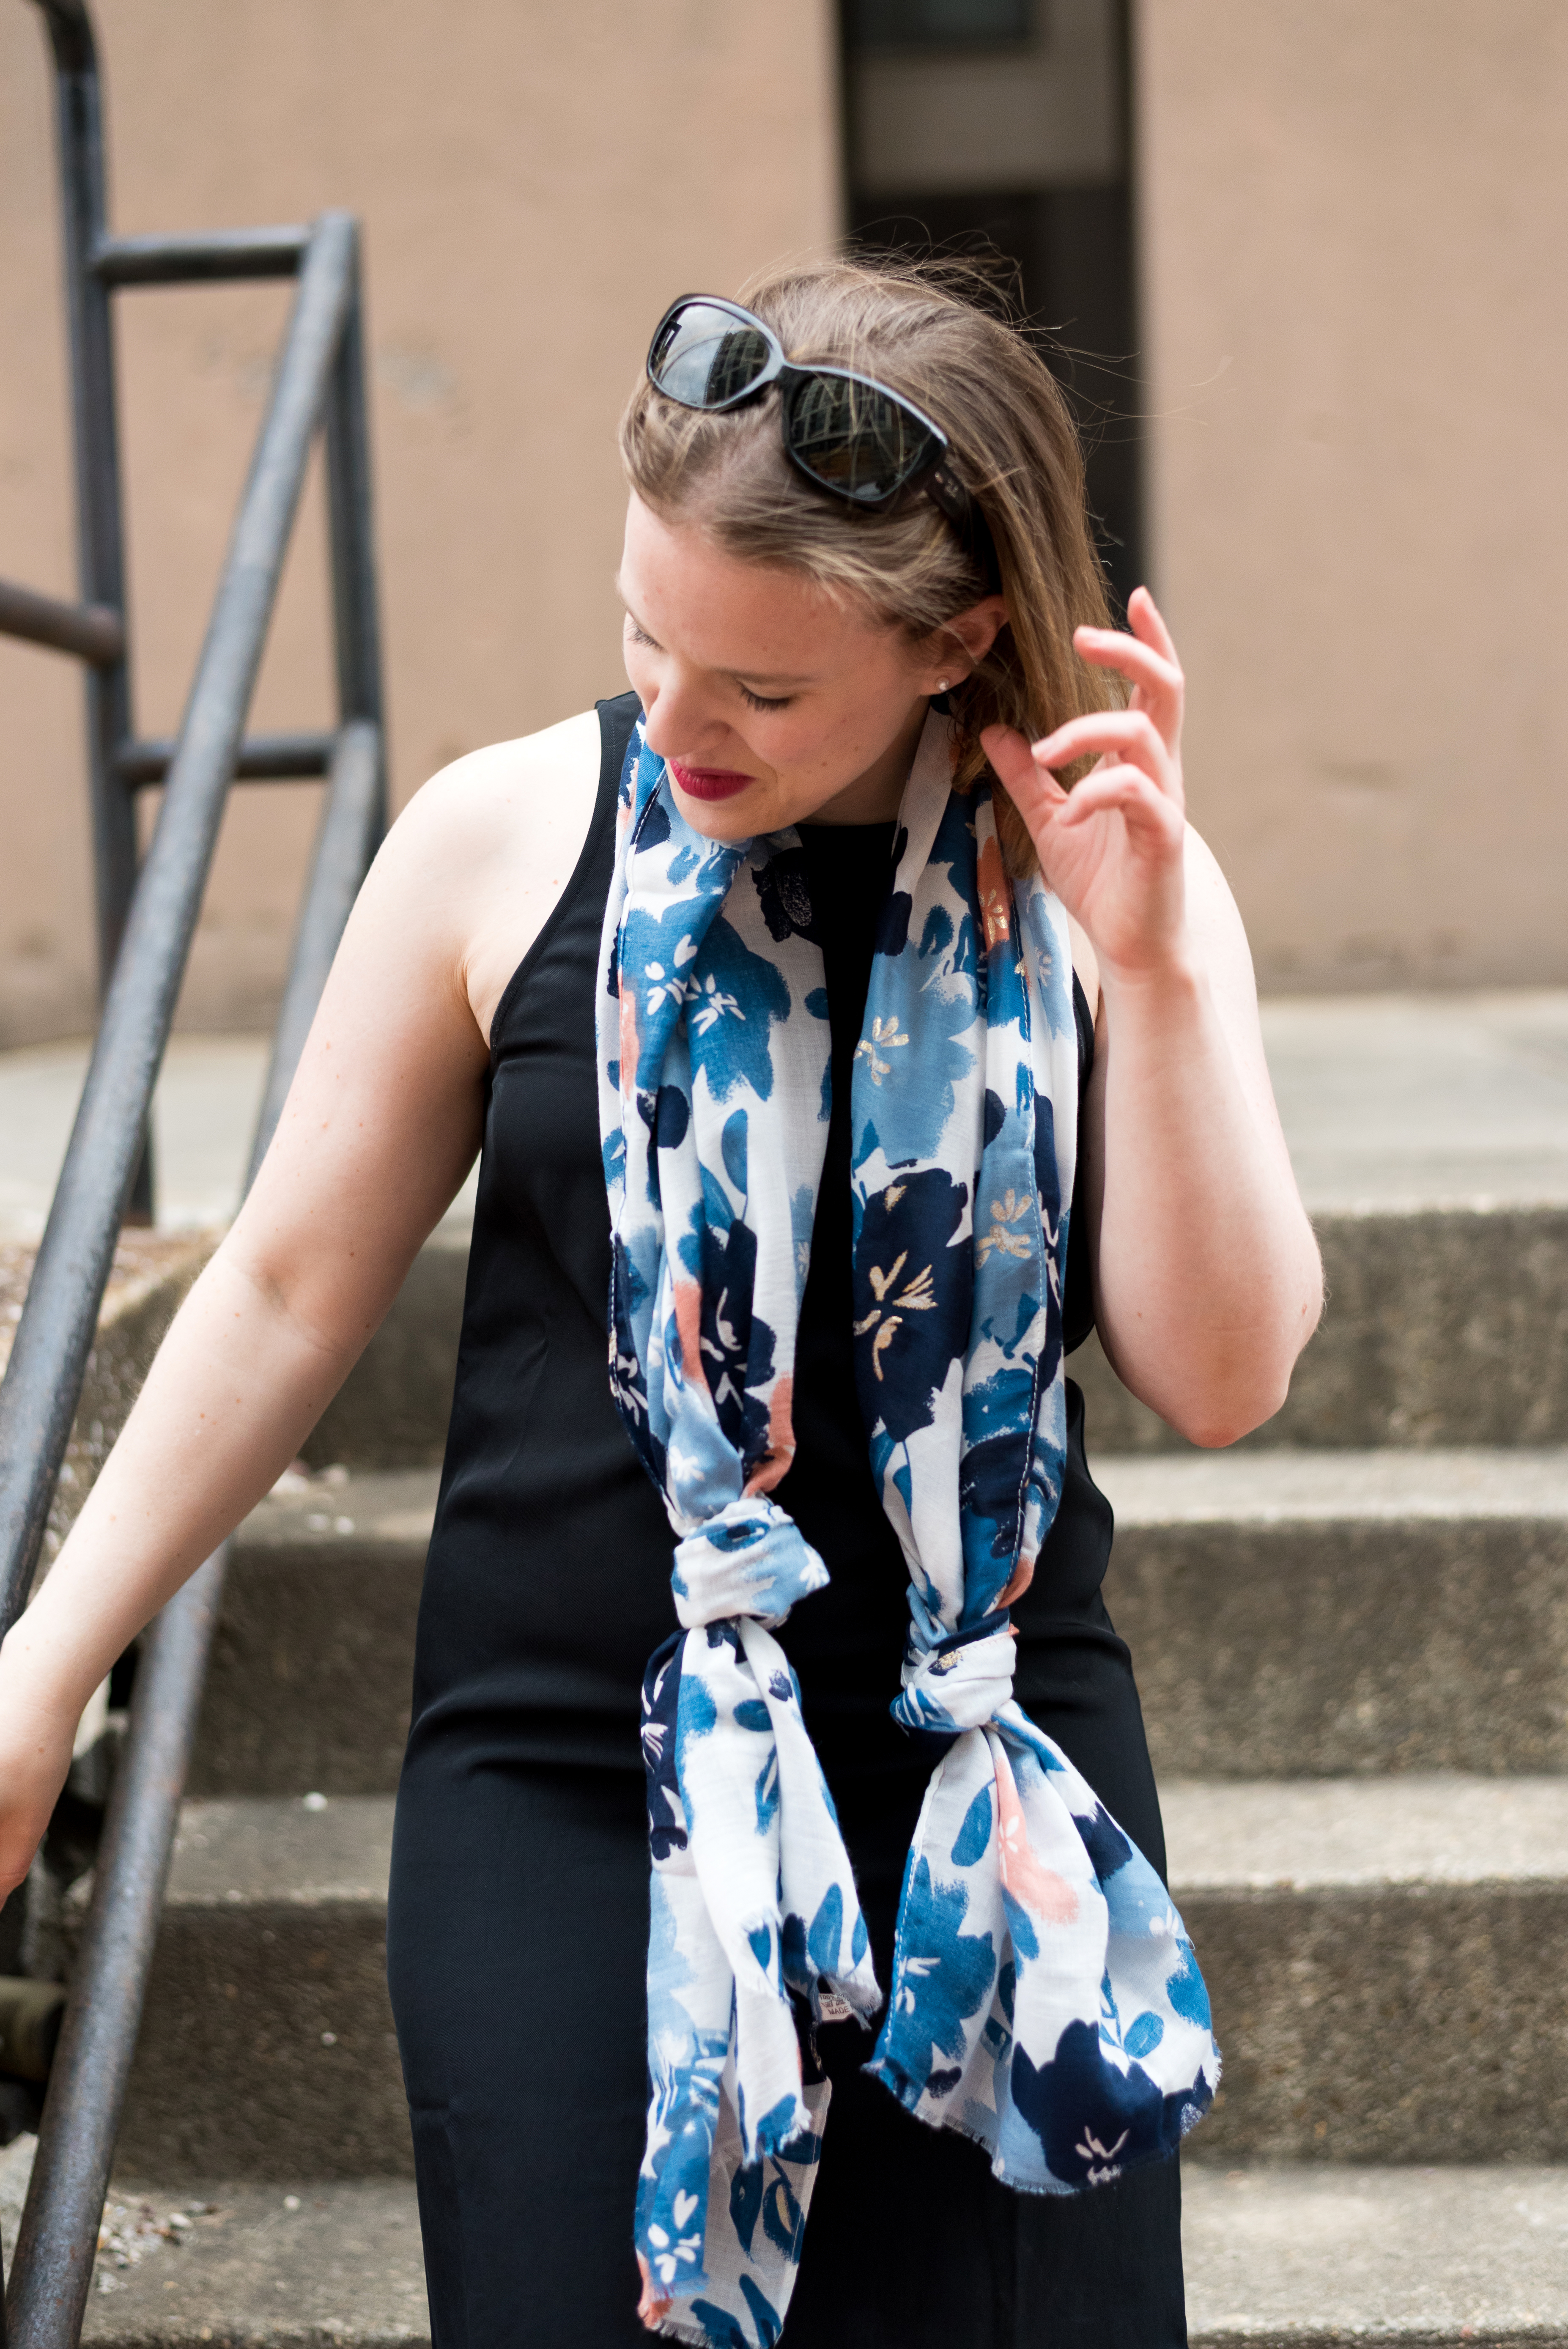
x=726 y=613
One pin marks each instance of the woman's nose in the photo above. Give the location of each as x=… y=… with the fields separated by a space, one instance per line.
x=681 y=723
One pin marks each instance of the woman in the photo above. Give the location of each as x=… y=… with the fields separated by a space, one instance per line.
x=797 y=912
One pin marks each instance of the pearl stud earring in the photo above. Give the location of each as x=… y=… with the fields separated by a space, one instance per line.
x=942 y=685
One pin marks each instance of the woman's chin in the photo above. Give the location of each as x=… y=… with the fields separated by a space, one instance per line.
x=738 y=817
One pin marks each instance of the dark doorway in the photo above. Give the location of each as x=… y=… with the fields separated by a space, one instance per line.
x=979 y=125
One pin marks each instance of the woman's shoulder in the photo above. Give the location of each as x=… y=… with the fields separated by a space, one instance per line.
x=495 y=836
x=524 y=790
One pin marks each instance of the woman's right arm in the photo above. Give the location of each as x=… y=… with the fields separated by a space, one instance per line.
x=381 y=1124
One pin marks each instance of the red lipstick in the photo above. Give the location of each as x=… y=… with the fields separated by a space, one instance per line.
x=708 y=782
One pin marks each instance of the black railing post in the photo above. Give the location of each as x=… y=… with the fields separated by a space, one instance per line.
x=100 y=550
x=355 y=618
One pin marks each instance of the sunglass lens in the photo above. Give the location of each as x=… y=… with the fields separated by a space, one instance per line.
x=854 y=440
x=705 y=358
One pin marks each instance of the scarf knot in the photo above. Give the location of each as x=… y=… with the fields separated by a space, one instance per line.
x=957 y=1680
x=748 y=1559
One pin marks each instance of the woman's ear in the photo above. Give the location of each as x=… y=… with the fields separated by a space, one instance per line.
x=952 y=651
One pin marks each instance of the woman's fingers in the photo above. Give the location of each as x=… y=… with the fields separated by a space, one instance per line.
x=1159 y=681
x=1146 y=657
x=1149 y=804
x=1126 y=792
x=1130 y=734
x=1144 y=613
x=1029 y=783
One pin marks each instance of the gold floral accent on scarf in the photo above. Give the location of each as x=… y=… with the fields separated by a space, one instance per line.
x=885 y=1037
x=1006 y=1210
x=917 y=1296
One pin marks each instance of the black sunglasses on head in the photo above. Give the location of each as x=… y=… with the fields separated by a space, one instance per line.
x=847 y=433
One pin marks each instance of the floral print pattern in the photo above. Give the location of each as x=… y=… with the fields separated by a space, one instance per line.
x=1045 y=1999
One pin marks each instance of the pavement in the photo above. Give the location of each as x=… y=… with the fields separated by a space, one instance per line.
x=1407 y=1102
x=1389 y=1101
x=204 y=1113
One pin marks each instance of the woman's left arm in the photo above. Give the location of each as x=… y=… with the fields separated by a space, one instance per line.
x=1208 y=1282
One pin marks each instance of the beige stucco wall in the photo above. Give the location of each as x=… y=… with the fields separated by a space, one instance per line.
x=1355 y=228
x=535 y=183
x=1355 y=223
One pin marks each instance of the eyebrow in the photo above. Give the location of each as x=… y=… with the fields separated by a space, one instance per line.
x=741 y=676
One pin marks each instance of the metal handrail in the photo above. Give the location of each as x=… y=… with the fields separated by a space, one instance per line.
x=218 y=258
x=263 y=759
x=52 y=2269
x=55 y=1335
x=147 y=920
x=92 y=631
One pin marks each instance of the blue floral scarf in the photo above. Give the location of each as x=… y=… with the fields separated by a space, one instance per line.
x=1044 y=2000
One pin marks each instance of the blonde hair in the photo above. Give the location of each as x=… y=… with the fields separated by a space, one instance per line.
x=918 y=325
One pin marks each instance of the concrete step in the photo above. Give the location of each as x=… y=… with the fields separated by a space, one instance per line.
x=1385 y=1961
x=309 y=1685
x=1297 y=2259
x=1289 y=1612
x=281 y=2266
x=1298 y=1612
x=1384 y=1958
x=267 y=2047
x=1275 y=2258
x=1443 y=1326
x=343 y=2265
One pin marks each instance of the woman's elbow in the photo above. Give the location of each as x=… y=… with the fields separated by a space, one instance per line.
x=1223 y=1419
x=1250 y=1383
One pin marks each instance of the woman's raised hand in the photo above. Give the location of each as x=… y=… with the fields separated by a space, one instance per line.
x=1112 y=847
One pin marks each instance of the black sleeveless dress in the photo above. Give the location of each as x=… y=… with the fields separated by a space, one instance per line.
x=518 y=1926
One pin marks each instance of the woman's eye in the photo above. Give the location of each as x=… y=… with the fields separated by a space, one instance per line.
x=639 y=636
x=760 y=701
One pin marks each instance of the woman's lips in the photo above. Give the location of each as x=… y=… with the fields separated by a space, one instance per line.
x=709 y=782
